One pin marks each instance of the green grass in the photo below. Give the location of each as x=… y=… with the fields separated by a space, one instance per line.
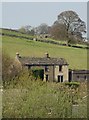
x=12 y=32
x=76 y=57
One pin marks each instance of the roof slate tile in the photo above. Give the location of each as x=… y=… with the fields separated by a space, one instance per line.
x=42 y=61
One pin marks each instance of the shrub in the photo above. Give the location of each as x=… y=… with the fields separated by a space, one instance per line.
x=6 y=63
x=38 y=73
x=73 y=84
x=9 y=70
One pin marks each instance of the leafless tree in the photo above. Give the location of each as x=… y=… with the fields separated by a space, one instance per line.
x=58 y=31
x=42 y=29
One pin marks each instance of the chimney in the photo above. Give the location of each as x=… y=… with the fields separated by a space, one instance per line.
x=47 y=55
x=17 y=55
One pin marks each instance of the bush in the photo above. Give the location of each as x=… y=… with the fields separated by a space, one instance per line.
x=9 y=70
x=38 y=73
x=73 y=84
x=6 y=63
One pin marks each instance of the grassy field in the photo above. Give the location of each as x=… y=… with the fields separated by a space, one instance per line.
x=76 y=57
x=13 y=32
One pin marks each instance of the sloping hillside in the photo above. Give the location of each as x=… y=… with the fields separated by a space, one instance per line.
x=76 y=57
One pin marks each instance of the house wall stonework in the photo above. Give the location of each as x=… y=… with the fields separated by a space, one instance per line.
x=50 y=74
x=63 y=72
x=17 y=63
x=53 y=72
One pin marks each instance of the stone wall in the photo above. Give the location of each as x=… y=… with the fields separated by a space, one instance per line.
x=53 y=72
x=63 y=72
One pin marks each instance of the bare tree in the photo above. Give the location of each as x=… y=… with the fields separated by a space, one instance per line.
x=42 y=29
x=73 y=23
x=58 y=31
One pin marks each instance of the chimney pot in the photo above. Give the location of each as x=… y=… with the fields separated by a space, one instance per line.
x=17 y=55
x=47 y=55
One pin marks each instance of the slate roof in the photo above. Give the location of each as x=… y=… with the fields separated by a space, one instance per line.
x=42 y=61
x=80 y=71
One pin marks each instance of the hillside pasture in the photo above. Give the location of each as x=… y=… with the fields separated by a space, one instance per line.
x=76 y=57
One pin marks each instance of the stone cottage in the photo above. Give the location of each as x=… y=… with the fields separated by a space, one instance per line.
x=54 y=69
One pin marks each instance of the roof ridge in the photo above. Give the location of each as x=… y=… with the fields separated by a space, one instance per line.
x=43 y=60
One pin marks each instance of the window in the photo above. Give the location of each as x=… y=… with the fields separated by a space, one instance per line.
x=60 y=68
x=47 y=77
x=78 y=77
x=85 y=77
x=46 y=68
x=60 y=78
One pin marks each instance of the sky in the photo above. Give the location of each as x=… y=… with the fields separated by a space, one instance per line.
x=18 y=14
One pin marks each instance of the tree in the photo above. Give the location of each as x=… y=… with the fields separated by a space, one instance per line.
x=42 y=29
x=27 y=29
x=58 y=31
x=73 y=23
x=22 y=30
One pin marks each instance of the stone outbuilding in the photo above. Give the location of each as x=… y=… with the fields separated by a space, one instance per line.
x=78 y=75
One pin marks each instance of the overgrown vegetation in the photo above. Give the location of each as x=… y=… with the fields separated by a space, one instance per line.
x=26 y=98
x=6 y=63
x=38 y=73
x=9 y=69
x=74 y=85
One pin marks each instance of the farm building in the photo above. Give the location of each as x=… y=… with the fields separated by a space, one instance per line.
x=52 y=69
x=78 y=75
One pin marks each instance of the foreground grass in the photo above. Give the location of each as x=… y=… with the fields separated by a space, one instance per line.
x=26 y=98
x=76 y=57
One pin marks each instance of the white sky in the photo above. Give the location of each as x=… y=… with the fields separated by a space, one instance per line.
x=16 y=14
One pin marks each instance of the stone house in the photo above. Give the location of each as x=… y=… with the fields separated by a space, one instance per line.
x=54 y=69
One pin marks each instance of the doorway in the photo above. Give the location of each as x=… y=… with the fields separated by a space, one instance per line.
x=47 y=77
x=60 y=78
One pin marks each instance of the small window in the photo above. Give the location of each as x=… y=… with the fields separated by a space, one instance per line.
x=85 y=77
x=46 y=68
x=47 y=77
x=60 y=78
x=60 y=67
x=78 y=77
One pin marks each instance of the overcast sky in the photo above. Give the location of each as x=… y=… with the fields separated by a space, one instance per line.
x=17 y=14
